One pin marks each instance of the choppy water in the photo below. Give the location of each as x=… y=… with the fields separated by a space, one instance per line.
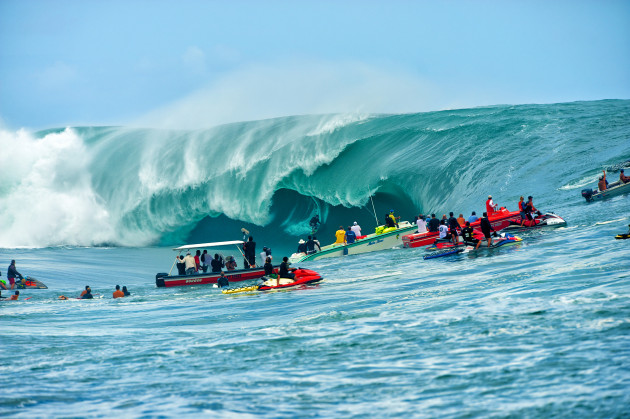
x=538 y=329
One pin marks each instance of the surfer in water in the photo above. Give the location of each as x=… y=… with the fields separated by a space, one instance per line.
x=314 y=223
x=223 y=282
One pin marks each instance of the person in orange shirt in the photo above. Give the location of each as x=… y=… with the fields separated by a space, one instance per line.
x=118 y=293
x=15 y=296
x=461 y=221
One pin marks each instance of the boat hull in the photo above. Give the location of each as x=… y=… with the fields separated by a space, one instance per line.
x=372 y=243
x=614 y=189
x=208 y=278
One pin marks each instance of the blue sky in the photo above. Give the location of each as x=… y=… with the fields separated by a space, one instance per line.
x=192 y=64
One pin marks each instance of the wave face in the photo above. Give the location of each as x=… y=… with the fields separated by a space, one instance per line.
x=88 y=186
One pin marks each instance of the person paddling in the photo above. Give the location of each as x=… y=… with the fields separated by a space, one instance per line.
x=118 y=293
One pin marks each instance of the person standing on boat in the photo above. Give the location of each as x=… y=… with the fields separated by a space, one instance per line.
x=263 y=255
x=205 y=261
x=191 y=265
x=350 y=236
x=249 y=249
x=217 y=263
x=473 y=217
x=602 y=185
x=181 y=266
x=491 y=207
x=422 y=224
x=623 y=178
x=394 y=218
x=486 y=228
x=12 y=273
x=434 y=224
x=310 y=246
x=453 y=225
x=529 y=208
x=521 y=208
x=357 y=229
x=390 y=221
x=340 y=236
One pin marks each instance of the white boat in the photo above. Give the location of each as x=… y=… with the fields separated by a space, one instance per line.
x=370 y=243
x=613 y=189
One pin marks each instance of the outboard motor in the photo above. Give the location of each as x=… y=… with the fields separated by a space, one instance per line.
x=159 y=279
x=587 y=194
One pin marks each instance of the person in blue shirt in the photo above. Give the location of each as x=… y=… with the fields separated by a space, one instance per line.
x=350 y=236
x=473 y=217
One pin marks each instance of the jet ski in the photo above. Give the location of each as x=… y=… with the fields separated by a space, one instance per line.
x=27 y=283
x=498 y=240
x=623 y=236
x=542 y=220
x=302 y=277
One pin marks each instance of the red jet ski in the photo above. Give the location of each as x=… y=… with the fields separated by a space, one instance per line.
x=302 y=277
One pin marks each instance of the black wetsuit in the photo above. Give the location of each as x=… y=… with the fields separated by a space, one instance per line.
x=284 y=271
x=250 y=254
x=453 y=225
x=87 y=296
x=301 y=248
x=223 y=282
x=310 y=246
x=390 y=222
x=181 y=268
x=268 y=268
x=486 y=227
x=434 y=225
x=217 y=264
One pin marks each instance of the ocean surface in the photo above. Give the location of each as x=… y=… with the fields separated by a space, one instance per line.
x=537 y=329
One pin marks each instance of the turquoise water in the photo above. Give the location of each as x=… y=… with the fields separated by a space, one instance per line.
x=537 y=329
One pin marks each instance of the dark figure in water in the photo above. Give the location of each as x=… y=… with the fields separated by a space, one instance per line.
x=249 y=249
x=314 y=222
x=87 y=294
x=124 y=290
x=223 y=281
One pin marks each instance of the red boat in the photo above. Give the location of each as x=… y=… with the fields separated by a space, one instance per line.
x=499 y=220
x=164 y=279
x=302 y=277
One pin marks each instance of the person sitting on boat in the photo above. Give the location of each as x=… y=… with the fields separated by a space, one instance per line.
x=444 y=230
x=230 y=263
x=453 y=225
x=118 y=293
x=285 y=271
x=623 y=178
x=217 y=263
x=223 y=281
x=473 y=217
x=301 y=246
x=15 y=296
x=422 y=224
x=125 y=291
x=310 y=246
x=268 y=266
x=491 y=207
x=314 y=223
x=394 y=218
x=461 y=221
x=434 y=224
x=263 y=255
x=602 y=184
x=357 y=229
x=181 y=266
x=340 y=236
x=467 y=235
x=205 y=260
x=486 y=228
x=350 y=236
x=191 y=265
x=317 y=243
